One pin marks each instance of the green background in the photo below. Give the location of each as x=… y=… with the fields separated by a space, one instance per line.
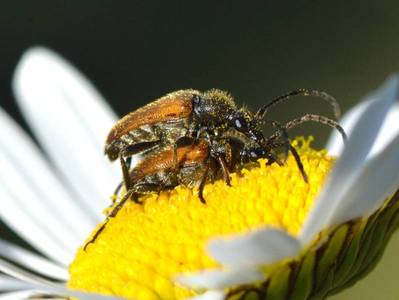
x=137 y=51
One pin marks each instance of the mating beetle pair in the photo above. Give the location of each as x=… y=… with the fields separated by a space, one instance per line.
x=188 y=137
x=188 y=115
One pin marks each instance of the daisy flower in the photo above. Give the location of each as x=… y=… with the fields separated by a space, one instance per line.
x=270 y=235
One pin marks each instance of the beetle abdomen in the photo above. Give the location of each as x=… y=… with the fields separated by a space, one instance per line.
x=172 y=107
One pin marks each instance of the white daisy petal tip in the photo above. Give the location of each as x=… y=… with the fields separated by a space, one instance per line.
x=390 y=126
x=219 y=279
x=46 y=84
x=259 y=247
x=35 y=62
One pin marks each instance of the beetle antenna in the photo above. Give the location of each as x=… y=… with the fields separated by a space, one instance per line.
x=301 y=92
x=313 y=118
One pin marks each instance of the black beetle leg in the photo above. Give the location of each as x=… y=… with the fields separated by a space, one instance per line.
x=126 y=176
x=299 y=163
x=202 y=183
x=128 y=164
x=296 y=156
x=118 y=188
x=112 y=214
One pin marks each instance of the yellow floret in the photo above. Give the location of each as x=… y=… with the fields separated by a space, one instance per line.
x=145 y=246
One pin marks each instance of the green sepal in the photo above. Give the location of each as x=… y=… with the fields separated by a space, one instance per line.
x=350 y=254
x=304 y=280
x=279 y=282
x=329 y=254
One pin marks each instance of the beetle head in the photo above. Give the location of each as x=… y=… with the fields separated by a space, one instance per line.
x=245 y=122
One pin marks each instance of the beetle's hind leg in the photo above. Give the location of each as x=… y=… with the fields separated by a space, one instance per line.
x=202 y=183
x=111 y=215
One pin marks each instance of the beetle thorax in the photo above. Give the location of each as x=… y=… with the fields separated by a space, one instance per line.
x=212 y=108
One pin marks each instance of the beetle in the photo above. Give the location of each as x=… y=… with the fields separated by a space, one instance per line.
x=197 y=115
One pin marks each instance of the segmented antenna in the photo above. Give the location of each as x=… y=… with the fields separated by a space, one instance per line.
x=301 y=92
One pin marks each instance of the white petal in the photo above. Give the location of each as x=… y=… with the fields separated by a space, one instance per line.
x=32 y=194
x=71 y=120
x=377 y=181
x=389 y=129
x=39 y=291
x=20 y=295
x=32 y=261
x=32 y=281
x=210 y=295
x=218 y=279
x=31 y=229
x=8 y=283
x=20 y=274
x=353 y=158
x=260 y=247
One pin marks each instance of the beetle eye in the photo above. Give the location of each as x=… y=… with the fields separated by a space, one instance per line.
x=240 y=123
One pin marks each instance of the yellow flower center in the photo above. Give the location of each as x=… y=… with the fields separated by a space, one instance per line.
x=145 y=246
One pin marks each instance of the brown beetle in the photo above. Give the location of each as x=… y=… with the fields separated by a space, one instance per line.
x=192 y=114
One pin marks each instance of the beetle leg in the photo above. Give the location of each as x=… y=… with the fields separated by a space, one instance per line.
x=299 y=163
x=296 y=157
x=112 y=214
x=118 y=188
x=125 y=172
x=225 y=169
x=202 y=184
x=139 y=147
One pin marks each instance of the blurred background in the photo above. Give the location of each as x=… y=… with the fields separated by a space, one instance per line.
x=136 y=51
